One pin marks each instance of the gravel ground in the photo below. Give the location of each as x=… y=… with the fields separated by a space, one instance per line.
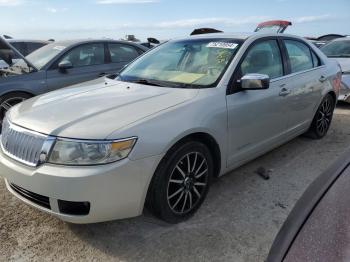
x=237 y=222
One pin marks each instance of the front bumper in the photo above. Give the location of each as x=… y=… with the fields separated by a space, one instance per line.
x=114 y=191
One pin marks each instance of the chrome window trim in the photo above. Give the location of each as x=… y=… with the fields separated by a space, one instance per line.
x=297 y=73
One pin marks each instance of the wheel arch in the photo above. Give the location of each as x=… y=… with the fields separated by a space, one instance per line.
x=209 y=141
x=17 y=91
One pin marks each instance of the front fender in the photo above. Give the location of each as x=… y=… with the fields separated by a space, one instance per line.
x=32 y=83
x=158 y=133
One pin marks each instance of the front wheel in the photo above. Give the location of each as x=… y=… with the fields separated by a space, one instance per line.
x=322 y=119
x=181 y=182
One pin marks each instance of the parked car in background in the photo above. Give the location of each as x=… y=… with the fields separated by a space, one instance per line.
x=318 y=227
x=25 y=47
x=184 y=112
x=324 y=39
x=339 y=50
x=58 y=65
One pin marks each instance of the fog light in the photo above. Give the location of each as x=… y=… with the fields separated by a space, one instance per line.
x=73 y=208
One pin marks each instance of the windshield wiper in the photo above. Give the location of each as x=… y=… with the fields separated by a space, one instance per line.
x=147 y=82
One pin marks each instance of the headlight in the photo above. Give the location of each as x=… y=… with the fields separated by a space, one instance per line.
x=81 y=152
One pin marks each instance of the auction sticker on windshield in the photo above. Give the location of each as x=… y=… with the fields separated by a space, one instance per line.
x=222 y=45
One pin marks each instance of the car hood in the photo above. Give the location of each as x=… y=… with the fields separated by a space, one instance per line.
x=344 y=63
x=95 y=109
x=7 y=51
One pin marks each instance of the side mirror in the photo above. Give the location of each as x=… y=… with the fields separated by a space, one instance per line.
x=64 y=65
x=255 y=82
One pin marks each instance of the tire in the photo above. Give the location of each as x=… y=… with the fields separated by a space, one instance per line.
x=9 y=100
x=322 y=119
x=177 y=189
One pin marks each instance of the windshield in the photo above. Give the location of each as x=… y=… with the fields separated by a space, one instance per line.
x=340 y=48
x=42 y=56
x=191 y=63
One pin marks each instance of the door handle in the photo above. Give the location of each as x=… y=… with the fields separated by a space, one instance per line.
x=284 y=92
x=322 y=79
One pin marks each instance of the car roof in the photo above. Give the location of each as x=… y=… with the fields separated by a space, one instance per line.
x=27 y=41
x=240 y=36
x=86 y=41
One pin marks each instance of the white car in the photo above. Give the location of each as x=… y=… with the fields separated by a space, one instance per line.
x=339 y=50
x=184 y=112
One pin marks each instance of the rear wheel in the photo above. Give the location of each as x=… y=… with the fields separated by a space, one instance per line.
x=323 y=118
x=181 y=182
x=9 y=100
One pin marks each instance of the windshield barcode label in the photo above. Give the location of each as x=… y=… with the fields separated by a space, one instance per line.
x=222 y=45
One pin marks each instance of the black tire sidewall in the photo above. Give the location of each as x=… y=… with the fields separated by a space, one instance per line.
x=314 y=128
x=162 y=175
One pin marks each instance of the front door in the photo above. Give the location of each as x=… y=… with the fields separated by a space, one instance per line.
x=88 y=61
x=256 y=118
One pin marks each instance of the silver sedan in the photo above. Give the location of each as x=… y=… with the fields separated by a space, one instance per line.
x=156 y=135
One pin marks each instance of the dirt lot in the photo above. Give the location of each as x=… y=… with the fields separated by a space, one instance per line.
x=238 y=222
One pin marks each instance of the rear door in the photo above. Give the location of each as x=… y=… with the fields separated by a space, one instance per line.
x=304 y=84
x=88 y=62
x=256 y=118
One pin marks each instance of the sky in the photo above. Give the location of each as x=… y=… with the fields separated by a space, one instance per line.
x=164 y=19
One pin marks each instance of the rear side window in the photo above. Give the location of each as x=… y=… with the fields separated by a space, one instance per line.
x=263 y=58
x=122 y=53
x=299 y=56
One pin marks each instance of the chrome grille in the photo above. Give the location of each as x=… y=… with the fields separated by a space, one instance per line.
x=21 y=144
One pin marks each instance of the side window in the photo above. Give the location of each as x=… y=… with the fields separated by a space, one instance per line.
x=263 y=58
x=31 y=47
x=86 y=55
x=122 y=53
x=299 y=56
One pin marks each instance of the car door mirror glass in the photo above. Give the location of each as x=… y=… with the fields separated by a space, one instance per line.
x=64 y=65
x=255 y=81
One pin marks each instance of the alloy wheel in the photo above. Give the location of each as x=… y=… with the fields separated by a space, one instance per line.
x=324 y=116
x=187 y=183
